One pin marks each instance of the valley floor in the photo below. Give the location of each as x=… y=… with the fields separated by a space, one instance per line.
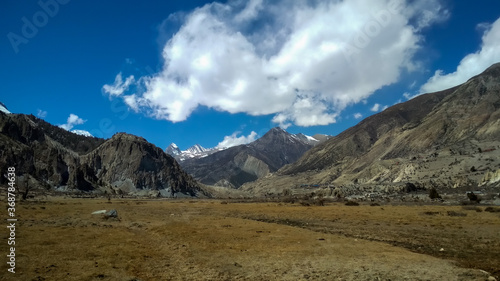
x=59 y=239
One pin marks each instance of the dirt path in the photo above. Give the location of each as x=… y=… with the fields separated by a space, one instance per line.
x=206 y=240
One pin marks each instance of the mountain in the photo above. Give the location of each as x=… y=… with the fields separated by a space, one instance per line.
x=56 y=159
x=173 y=150
x=132 y=165
x=195 y=151
x=237 y=165
x=447 y=139
x=4 y=109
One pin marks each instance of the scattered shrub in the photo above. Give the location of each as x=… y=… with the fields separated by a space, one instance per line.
x=433 y=194
x=456 y=214
x=472 y=208
x=472 y=197
x=410 y=187
x=492 y=210
x=351 y=203
x=305 y=203
x=319 y=202
x=429 y=213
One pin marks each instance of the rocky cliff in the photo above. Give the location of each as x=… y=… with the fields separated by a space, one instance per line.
x=52 y=158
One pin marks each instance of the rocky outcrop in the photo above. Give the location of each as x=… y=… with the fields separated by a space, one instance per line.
x=132 y=165
x=491 y=178
x=54 y=158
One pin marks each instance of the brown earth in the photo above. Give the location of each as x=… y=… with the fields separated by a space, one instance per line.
x=59 y=239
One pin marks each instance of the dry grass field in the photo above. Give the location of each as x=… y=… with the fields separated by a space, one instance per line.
x=59 y=239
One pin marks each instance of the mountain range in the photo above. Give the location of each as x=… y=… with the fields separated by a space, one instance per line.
x=195 y=151
x=237 y=165
x=444 y=140
x=447 y=139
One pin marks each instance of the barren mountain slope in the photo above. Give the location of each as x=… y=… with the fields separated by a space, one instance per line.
x=435 y=139
x=49 y=157
x=245 y=163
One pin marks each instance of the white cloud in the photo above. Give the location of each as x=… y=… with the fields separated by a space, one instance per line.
x=41 y=113
x=427 y=12
x=303 y=61
x=472 y=64
x=358 y=115
x=250 y=11
x=376 y=107
x=234 y=140
x=118 y=87
x=72 y=121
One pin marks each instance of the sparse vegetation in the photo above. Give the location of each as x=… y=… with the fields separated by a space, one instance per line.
x=433 y=194
x=456 y=214
x=472 y=208
x=203 y=240
x=473 y=197
x=492 y=209
x=352 y=203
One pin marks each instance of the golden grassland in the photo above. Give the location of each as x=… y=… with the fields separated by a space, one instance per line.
x=59 y=239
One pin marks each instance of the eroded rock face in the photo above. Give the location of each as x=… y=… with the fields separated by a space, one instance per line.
x=54 y=158
x=433 y=139
x=131 y=164
x=491 y=178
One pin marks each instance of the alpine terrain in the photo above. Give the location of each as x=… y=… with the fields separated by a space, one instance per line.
x=443 y=140
x=55 y=159
x=237 y=165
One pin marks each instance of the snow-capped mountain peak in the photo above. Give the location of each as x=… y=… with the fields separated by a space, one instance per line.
x=196 y=149
x=306 y=139
x=173 y=150
x=274 y=136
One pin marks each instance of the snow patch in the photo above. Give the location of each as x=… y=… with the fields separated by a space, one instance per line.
x=82 y=133
x=4 y=109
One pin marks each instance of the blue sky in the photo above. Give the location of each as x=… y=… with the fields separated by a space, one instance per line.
x=203 y=72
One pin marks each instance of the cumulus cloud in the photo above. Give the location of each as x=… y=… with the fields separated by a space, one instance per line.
x=72 y=121
x=472 y=64
x=376 y=107
x=119 y=86
x=358 y=115
x=303 y=61
x=234 y=140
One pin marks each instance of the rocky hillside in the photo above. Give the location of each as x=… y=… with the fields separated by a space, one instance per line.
x=245 y=163
x=444 y=139
x=53 y=158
